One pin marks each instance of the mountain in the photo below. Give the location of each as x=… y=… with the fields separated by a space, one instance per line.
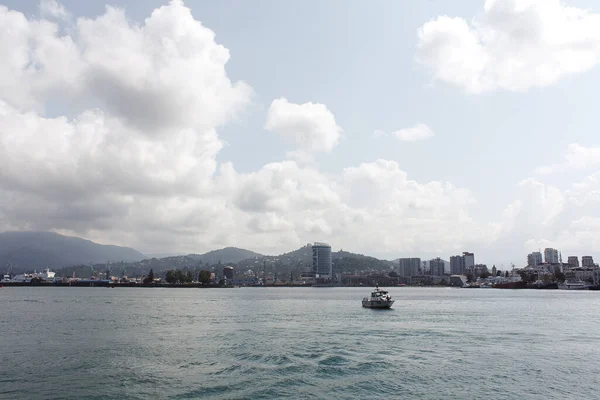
x=226 y=255
x=36 y=250
x=301 y=259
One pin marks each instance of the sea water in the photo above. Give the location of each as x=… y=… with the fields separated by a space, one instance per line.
x=300 y=343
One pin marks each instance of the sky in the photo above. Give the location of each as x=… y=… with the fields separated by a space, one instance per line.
x=391 y=129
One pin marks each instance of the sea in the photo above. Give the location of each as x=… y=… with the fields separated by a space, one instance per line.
x=298 y=343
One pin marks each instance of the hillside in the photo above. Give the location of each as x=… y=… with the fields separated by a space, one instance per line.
x=225 y=256
x=70 y=255
x=301 y=260
x=37 y=250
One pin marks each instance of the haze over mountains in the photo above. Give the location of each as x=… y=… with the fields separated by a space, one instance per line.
x=37 y=250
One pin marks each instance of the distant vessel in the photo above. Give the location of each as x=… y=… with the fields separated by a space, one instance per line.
x=379 y=299
x=47 y=275
x=573 y=285
x=510 y=283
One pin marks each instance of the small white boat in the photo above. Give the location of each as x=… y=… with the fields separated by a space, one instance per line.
x=573 y=285
x=379 y=299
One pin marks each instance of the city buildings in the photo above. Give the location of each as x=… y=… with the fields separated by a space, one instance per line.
x=573 y=261
x=457 y=265
x=534 y=258
x=321 y=260
x=436 y=267
x=228 y=273
x=551 y=256
x=587 y=261
x=460 y=264
x=469 y=260
x=409 y=266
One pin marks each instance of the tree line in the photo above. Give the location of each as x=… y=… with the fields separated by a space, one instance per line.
x=177 y=276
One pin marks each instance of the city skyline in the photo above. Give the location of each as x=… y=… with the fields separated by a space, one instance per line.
x=391 y=130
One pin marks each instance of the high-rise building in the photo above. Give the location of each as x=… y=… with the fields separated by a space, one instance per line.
x=469 y=259
x=409 y=266
x=460 y=264
x=436 y=267
x=573 y=261
x=551 y=256
x=228 y=273
x=534 y=258
x=457 y=265
x=321 y=260
x=587 y=261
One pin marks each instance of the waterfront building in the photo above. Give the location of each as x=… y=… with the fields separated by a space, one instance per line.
x=534 y=258
x=469 y=259
x=587 y=261
x=551 y=255
x=586 y=274
x=228 y=273
x=322 y=264
x=573 y=261
x=409 y=266
x=436 y=267
x=459 y=265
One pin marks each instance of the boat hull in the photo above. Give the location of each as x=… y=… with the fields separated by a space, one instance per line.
x=377 y=303
x=573 y=285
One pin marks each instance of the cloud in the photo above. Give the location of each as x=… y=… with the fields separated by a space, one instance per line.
x=513 y=45
x=148 y=146
x=413 y=134
x=112 y=62
x=311 y=126
x=417 y=132
x=372 y=207
x=545 y=216
x=131 y=158
x=53 y=9
x=576 y=157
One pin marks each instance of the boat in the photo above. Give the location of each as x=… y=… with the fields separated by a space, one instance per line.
x=573 y=285
x=379 y=299
x=510 y=283
x=45 y=276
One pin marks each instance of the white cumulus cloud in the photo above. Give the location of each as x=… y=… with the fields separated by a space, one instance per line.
x=543 y=215
x=131 y=158
x=311 y=126
x=413 y=134
x=149 y=147
x=576 y=157
x=513 y=45
x=53 y=9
